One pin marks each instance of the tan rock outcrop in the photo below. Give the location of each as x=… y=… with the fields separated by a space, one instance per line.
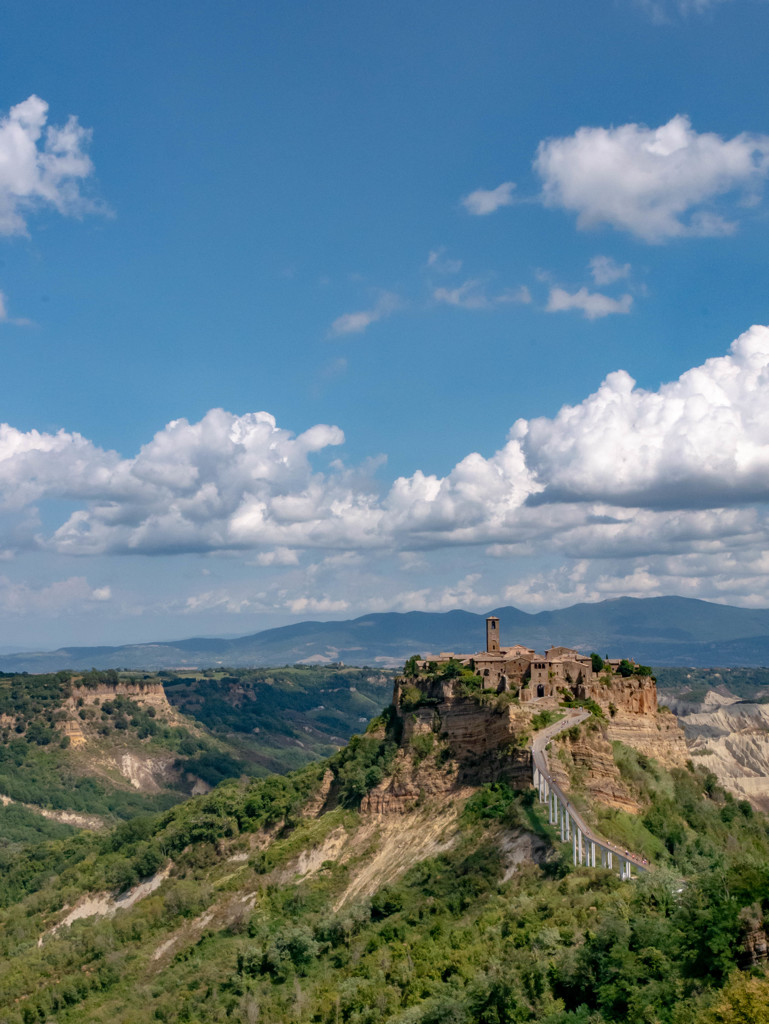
x=149 y=693
x=731 y=739
x=471 y=730
x=657 y=735
x=588 y=763
x=634 y=694
x=410 y=784
x=317 y=804
x=755 y=944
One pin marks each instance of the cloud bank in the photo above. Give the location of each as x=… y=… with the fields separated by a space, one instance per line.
x=623 y=473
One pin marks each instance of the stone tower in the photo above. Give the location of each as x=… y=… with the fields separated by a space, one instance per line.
x=492 y=634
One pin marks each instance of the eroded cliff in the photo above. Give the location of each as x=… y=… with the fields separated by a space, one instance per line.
x=456 y=734
x=730 y=738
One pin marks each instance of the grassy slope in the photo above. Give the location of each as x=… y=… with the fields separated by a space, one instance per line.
x=248 y=939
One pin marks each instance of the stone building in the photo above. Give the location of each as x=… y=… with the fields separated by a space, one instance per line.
x=521 y=668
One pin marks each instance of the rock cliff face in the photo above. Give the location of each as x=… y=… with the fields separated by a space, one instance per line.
x=633 y=717
x=587 y=763
x=730 y=738
x=657 y=735
x=142 y=770
x=412 y=784
x=149 y=693
x=755 y=944
x=485 y=737
x=636 y=695
x=472 y=732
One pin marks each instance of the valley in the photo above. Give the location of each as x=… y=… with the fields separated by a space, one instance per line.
x=412 y=877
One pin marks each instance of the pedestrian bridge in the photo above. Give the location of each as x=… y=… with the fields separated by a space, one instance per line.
x=573 y=828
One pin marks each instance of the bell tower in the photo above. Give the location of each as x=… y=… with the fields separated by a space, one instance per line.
x=492 y=634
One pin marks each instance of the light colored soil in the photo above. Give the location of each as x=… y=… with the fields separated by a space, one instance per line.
x=105 y=905
x=401 y=841
x=76 y=818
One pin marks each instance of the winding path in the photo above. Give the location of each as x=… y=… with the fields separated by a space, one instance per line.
x=562 y=814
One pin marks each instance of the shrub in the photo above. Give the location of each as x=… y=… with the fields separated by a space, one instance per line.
x=411 y=697
x=422 y=745
x=544 y=718
x=410 y=669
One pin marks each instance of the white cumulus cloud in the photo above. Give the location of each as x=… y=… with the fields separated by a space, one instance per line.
x=41 y=165
x=356 y=323
x=484 y=201
x=656 y=183
x=605 y=270
x=593 y=305
x=699 y=441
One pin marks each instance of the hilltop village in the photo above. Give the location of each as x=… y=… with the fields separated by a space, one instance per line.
x=525 y=675
x=483 y=708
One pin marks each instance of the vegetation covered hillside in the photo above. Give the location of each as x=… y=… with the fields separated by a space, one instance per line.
x=283 y=900
x=281 y=718
x=116 y=744
x=84 y=747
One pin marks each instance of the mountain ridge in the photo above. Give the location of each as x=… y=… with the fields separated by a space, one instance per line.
x=656 y=630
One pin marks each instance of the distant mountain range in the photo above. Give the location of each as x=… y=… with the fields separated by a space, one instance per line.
x=654 y=631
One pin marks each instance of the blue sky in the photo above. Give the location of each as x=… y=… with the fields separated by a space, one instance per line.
x=431 y=246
